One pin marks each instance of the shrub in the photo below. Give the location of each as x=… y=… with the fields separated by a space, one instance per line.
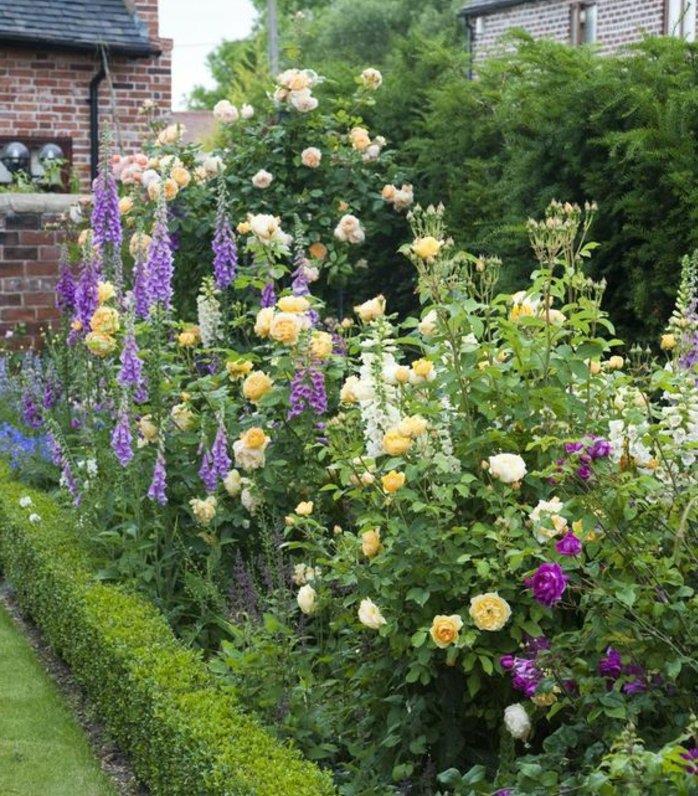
x=551 y=121
x=183 y=733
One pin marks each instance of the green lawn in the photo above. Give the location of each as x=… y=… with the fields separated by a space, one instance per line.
x=43 y=752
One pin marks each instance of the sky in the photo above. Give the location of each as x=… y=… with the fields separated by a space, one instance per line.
x=197 y=26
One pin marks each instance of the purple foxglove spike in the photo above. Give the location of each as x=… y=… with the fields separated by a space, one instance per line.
x=159 y=265
x=121 y=439
x=268 y=297
x=65 y=288
x=157 y=492
x=86 y=294
x=207 y=472
x=225 y=252
x=318 y=395
x=131 y=372
x=219 y=453
x=106 y=219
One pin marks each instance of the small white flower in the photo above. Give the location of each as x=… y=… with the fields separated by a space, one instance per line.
x=246 y=111
x=25 y=501
x=517 y=722
x=34 y=518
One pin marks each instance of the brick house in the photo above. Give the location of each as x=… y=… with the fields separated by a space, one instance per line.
x=608 y=23
x=67 y=66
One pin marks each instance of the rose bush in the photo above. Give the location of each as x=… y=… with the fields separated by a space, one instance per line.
x=450 y=553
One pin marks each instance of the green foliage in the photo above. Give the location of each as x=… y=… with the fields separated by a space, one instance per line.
x=183 y=733
x=549 y=121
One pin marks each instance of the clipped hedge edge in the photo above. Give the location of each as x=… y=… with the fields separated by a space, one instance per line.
x=183 y=732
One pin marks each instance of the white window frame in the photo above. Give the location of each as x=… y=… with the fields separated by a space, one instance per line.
x=680 y=19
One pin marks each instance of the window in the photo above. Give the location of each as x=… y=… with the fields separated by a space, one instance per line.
x=680 y=16
x=583 y=23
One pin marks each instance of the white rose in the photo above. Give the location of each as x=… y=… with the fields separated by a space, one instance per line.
x=213 y=165
x=311 y=157
x=517 y=722
x=371 y=153
x=427 y=326
x=249 y=500
x=507 y=467
x=349 y=230
x=262 y=179
x=233 y=483
x=225 y=112
x=303 y=101
x=371 y=78
x=246 y=111
x=306 y=599
x=148 y=176
x=370 y=615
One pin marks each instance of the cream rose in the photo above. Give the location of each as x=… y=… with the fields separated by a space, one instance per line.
x=371 y=309
x=262 y=179
x=225 y=112
x=256 y=386
x=349 y=230
x=285 y=328
x=311 y=157
x=507 y=467
x=306 y=599
x=370 y=615
x=489 y=611
x=517 y=722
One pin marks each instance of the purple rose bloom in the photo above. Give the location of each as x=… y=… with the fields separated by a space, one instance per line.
x=584 y=472
x=573 y=447
x=504 y=792
x=507 y=662
x=611 y=664
x=569 y=545
x=548 y=583
x=692 y=757
x=600 y=449
x=526 y=676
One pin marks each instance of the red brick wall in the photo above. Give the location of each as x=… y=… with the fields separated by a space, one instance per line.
x=619 y=22
x=29 y=254
x=46 y=93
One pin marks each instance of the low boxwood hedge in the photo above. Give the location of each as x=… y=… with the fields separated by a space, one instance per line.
x=183 y=732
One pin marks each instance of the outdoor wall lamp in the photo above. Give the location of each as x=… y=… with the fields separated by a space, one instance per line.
x=15 y=157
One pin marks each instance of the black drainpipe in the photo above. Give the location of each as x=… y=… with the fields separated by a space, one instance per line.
x=94 y=119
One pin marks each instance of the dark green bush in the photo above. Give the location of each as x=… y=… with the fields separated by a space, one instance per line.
x=551 y=121
x=183 y=733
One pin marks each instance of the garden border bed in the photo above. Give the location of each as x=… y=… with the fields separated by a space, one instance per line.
x=183 y=732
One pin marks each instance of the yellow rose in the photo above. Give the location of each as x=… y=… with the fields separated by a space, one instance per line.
x=256 y=386
x=170 y=188
x=189 y=337
x=371 y=309
x=148 y=429
x=521 y=310
x=348 y=392
x=371 y=542
x=139 y=244
x=667 y=342
x=304 y=508
x=100 y=344
x=422 y=369
x=388 y=192
x=181 y=176
x=594 y=367
x=489 y=611
x=105 y=320
x=182 y=417
x=616 y=363
x=321 y=345
x=125 y=205
x=444 y=630
x=105 y=292
x=293 y=304
x=393 y=481
x=285 y=328
x=254 y=438
x=244 y=228
x=544 y=700
x=263 y=321
x=426 y=248
x=394 y=443
x=317 y=250
x=413 y=426
x=360 y=139
x=402 y=374
x=237 y=368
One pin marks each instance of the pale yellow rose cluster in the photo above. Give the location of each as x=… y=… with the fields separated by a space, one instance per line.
x=427 y=248
x=397 y=441
x=349 y=230
x=256 y=386
x=104 y=324
x=372 y=309
x=399 y=198
x=204 y=509
x=189 y=337
x=294 y=88
x=266 y=228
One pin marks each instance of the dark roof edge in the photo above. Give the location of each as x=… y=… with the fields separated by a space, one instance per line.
x=482 y=7
x=30 y=42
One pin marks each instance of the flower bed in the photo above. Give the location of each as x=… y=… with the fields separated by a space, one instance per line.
x=446 y=550
x=182 y=732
